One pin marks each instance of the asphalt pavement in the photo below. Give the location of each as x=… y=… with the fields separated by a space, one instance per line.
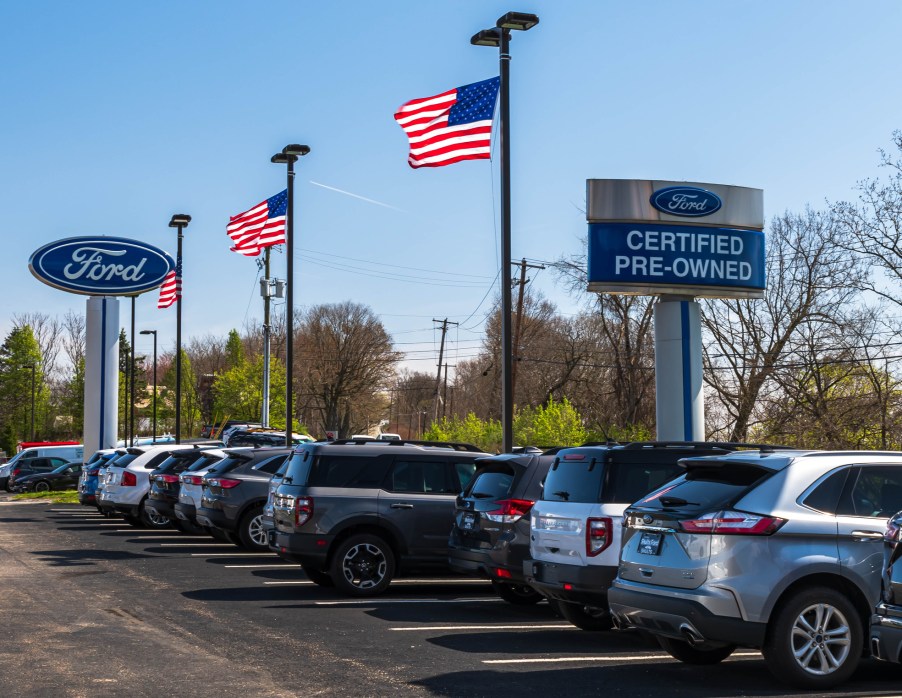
x=94 y=607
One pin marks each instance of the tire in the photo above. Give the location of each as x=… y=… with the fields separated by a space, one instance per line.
x=701 y=655
x=152 y=520
x=317 y=577
x=517 y=594
x=251 y=533
x=363 y=565
x=42 y=486
x=592 y=618
x=814 y=640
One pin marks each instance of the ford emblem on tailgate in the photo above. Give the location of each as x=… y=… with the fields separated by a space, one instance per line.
x=101 y=266
x=691 y=202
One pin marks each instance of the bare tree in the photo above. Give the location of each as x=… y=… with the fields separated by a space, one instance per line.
x=812 y=284
x=47 y=330
x=74 y=328
x=344 y=361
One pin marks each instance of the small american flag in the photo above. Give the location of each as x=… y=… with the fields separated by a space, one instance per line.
x=452 y=126
x=259 y=227
x=171 y=290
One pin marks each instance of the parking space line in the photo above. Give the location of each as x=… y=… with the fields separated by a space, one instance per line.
x=194 y=545
x=300 y=581
x=232 y=554
x=623 y=658
x=235 y=567
x=144 y=530
x=365 y=602
x=521 y=626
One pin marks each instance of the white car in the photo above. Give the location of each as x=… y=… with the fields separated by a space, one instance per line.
x=127 y=483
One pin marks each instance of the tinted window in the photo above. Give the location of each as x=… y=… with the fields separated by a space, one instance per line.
x=348 y=471
x=271 y=465
x=465 y=472
x=491 y=485
x=203 y=463
x=825 y=497
x=156 y=460
x=706 y=486
x=573 y=481
x=420 y=477
x=228 y=464
x=872 y=491
x=298 y=468
x=627 y=482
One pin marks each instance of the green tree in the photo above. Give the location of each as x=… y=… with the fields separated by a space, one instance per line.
x=486 y=434
x=551 y=424
x=234 y=349
x=238 y=392
x=18 y=354
x=190 y=400
x=73 y=398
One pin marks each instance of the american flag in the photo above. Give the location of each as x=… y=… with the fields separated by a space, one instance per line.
x=452 y=126
x=259 y=227
x=171 y=290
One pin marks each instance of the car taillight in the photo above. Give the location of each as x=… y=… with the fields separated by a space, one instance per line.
x=224 y=482
x=192 y=480
x=733 y=523
x=93 y=473
x=599 y=533
x=511 y=510
x=168 y=478
x=128 y=479
x=303 y=510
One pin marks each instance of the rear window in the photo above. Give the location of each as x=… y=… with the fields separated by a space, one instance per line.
x=574 y=481
x=706 y=486
x=228 y=464
x=492 y=485
x=628 y=482
x=123 y=460
x=271 y=465
x=203 y=463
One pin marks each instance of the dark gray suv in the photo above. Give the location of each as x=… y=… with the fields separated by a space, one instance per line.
x=355 y=513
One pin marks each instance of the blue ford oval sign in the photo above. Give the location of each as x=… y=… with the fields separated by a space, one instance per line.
x=101 y=266
x=691 y=202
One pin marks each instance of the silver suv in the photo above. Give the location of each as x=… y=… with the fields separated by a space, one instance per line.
x=780 y=551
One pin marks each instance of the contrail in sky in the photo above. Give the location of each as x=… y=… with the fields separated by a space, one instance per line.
x=357 y=196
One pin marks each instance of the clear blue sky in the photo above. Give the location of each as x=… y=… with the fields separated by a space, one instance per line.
x=118 y=114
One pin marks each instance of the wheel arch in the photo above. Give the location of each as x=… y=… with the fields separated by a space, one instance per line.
x=372 y=526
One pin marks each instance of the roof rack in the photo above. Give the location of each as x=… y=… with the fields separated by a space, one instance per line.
x=725 y=445
x=454 y=445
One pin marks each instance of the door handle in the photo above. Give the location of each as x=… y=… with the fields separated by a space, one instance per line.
x=399 y=505
x=868 y=534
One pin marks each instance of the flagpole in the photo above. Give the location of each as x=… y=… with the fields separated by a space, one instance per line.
x=500 y=36
x=264 y=418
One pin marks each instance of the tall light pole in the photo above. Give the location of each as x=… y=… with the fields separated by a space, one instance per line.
x=499 y=36
x=289 y=156
x=154 y=333
x=32 y=366
x=180 y=221
x=131 y=370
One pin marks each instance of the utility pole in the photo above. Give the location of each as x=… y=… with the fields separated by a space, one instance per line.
x=441 y=353
x=523 y=267
x=445 y=392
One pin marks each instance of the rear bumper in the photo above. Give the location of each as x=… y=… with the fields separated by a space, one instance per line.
x=185 y=512
x=886 y=633
x=486 y=563
x=213 y=517
x=300 y=548
x=162 y=507
x=127 y=509
x=573 y=583
x=676 y=616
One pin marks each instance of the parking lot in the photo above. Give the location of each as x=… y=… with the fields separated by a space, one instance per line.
x=92 y=606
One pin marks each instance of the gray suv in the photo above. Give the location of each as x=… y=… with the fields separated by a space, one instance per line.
x=354 y=513
x=780 y=551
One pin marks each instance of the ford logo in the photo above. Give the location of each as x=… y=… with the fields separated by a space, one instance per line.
x=101 y=266
x=691 y=202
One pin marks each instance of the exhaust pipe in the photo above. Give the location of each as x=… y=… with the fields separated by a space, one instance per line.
x=693 y=636
x=875 y=647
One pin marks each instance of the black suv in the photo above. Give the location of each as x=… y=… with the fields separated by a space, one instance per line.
x=355 y=513
x=490 y=532
x=234 y=492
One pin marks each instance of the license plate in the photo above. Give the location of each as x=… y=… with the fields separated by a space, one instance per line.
x=468 y=521
x=650 y=543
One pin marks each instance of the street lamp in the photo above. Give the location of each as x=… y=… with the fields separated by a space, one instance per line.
x=154 y=333
x=180 y=221
x=500 y=36
x=289 y=156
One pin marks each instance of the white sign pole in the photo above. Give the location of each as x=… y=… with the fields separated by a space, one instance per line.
x=101 y=373
x=680 y=401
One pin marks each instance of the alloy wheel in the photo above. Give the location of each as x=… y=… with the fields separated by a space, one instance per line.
x=256 y=532
x=364 y=565
x=821 y=639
